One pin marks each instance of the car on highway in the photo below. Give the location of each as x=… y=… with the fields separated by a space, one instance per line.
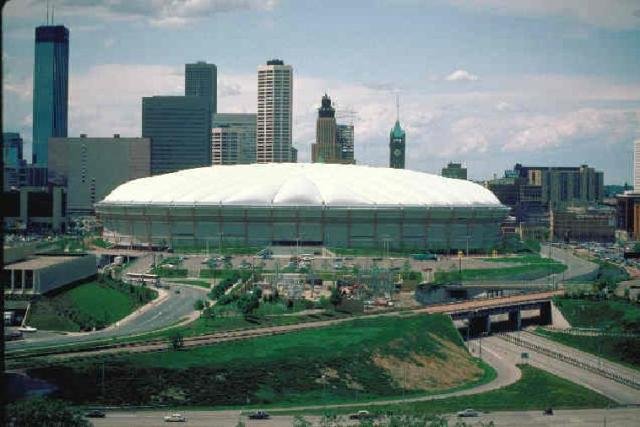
x=468 y=413
x=259 y=415
x=361 y=415
x=95 y=413
x=175 y=418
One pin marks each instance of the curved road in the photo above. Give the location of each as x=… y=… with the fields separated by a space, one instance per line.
x=168 y=309
x=576 y=266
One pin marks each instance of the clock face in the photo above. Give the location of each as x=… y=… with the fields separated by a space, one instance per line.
x=397 y=152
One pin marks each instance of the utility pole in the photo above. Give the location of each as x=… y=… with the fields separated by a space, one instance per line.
x=467 y=236
x=404 y=383
x=102 y=380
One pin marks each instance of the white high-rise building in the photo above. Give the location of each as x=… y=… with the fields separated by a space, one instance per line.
x=275 y=96
x=636 y=166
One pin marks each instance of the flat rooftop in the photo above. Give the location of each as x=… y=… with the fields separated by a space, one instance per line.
x=40 y=262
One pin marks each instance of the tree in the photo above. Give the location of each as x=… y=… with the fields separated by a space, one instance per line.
x=336 y=297
x=249 y=302
x=43 y=412
x=177 y=341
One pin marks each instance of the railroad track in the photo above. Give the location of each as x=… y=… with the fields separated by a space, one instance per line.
x=59 y=354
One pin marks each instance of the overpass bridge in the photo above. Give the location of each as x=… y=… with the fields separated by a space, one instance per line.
x=477 y=314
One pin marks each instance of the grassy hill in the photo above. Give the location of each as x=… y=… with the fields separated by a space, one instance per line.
x=611 y=316
x=536 y=390
x=518 y=269
x=83 y=306
x=359 y=359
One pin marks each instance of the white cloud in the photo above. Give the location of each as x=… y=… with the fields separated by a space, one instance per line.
x=22 y=88
x=461 y=76
x=529 y=118
x=611 y=14
x=605 y=127
x=503 y=106
x=166 y=13
x=107 y=98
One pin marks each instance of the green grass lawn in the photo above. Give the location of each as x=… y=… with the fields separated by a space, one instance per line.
x=202 y=326
x=87 y=305
x=522 y=259
x=169 y=273
x=193 y=282
x=282 y=369
x=624 y=350
x=536 y=390
x=610 y=314
x=528 y=271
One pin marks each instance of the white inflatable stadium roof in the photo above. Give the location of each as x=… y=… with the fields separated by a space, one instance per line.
x=301 y=184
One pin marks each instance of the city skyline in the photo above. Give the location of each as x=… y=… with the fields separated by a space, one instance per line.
x=528 y=83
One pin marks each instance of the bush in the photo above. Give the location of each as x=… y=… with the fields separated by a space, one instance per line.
x=43 y=412
x=336 y=297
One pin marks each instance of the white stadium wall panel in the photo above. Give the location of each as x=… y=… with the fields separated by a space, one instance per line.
x=331 y=205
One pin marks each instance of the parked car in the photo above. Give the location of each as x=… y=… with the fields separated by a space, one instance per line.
x=469 y=413
x=27 y=329
x=96 y=413
x=259 y=415
x=548 y=411
x=361 y=415
x=175 y=418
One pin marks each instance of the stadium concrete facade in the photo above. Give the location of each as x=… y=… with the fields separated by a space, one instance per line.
x=308 y=204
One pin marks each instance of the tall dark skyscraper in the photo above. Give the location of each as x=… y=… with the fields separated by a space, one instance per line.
x=397 y=140
x=180 y=132
x=50 y=88
x=325 y=149
x=201 y=79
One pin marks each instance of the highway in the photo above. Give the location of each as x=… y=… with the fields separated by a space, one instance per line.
x=618 y=392
x=168 y=309
x=619 y=417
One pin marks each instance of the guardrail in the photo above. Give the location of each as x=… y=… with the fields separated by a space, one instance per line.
x=607 y=373
x=592 y=332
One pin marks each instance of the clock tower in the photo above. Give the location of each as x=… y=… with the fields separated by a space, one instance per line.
x=397 y=139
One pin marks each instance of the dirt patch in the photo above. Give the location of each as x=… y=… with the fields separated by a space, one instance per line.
x=420 y=372
x=327 y=374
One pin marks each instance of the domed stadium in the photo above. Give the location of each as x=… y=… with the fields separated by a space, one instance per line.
x=315 y=204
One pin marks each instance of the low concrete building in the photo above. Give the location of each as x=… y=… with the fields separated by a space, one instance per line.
x=44 y=273
x=34 y=209
x=583 y=224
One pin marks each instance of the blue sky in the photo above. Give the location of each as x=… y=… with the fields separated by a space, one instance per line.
x=488 y=83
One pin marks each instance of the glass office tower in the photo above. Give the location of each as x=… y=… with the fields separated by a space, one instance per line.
x=50 y=88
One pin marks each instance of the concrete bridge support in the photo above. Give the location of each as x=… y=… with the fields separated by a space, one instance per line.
x=479 y=325
x=515 y=320
x=545 y=313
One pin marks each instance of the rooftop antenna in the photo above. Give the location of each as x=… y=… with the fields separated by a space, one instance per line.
x=52 y=12
x=397 y=107
x=47 y=12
